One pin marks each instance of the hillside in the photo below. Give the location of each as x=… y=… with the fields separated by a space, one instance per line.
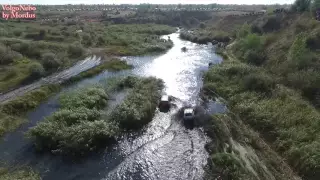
x=271 y=81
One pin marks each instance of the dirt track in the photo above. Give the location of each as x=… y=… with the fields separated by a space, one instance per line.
x=59 y=77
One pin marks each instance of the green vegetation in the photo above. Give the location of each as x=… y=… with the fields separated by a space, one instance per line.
x=136 y=39
x=81 y=125
x=111 y=65
x=18 y=72
x=237 y=152
x=204 y=36
x=29 y=51
x=78 y=126
x=29 y=101
x=12 y=112
x=288 y=122
x=139 y=106
x=22 y=174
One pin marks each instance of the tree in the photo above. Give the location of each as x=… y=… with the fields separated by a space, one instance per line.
x=301 y=5
x=315 y=5
x=36 y=70
x=49 y=61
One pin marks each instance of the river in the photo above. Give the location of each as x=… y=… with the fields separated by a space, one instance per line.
x=163 y=150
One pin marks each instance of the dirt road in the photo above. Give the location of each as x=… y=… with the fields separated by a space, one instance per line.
x=59 y=77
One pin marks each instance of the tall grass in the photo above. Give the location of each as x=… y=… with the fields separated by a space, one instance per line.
x=281 y=115
x=25 y=174
x=111 y=65
x=77 y=127
x=81 y=125
x=204 y=36
x=139 y=106
x=12 y=112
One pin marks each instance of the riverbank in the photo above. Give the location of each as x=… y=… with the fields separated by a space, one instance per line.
x=12 y=112
x=266 y=107
x=113 y=64
x=23 y=173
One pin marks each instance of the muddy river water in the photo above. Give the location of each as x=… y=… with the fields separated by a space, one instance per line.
x=163 y=150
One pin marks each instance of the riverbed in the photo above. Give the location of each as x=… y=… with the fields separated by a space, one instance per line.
x=164 y=149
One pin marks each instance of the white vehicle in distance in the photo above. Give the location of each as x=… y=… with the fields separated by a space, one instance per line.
x=164 y=104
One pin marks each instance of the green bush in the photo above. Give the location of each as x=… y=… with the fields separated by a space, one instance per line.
x=75 y=50
x=77 y=127
x=89 y=98
x=139 y=106
x=254 y=57
x=244 y=31
x=259 y=83
x=7 y=55
x=49 y=61
x=36 y=71
x=202 y=25
x=301 y=5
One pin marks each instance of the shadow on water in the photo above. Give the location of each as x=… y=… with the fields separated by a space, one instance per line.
x=164 y=149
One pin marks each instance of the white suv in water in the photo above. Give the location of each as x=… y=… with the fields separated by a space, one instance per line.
x=188 y=114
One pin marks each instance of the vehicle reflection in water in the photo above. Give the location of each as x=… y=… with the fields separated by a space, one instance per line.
x=164 y=149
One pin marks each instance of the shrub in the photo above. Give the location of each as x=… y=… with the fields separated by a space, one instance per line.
x=7 y=55
x=75 y=50
x=139 y=106
x=313 y=41
x=301 y=5
x=77 y=127
x=258 y=82
x=11 y=73
x=244 y=31
x=315 y=4
x=49 y=61
x=90 y=98
x=272 y=24
x=101 y=41
x=256 y=29
x=17 y=32
x=36 y=71
x=254 y=57
x=202 y=25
